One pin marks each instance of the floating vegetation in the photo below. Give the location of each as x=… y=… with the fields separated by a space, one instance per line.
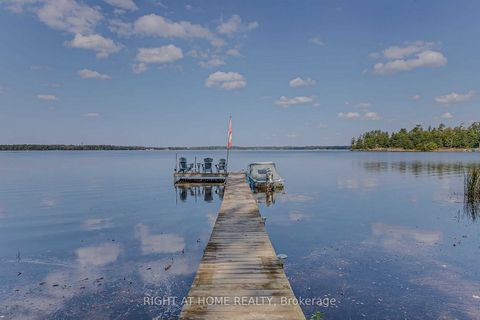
x=471 y=198
x=316 y=316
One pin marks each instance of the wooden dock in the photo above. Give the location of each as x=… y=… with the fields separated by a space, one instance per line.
x=240 y=276
x=198 y=177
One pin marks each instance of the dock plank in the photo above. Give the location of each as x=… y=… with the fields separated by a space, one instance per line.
x=239 y=262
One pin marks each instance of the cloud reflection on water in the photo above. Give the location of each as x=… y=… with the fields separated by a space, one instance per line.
x=462 y=292
x=404 y=239
x=158 y=243
x=156 y=273
x=49 y=202
x=41 y=300
x=98 y=256
x=298 y=215
x=97 y=224
x=292 y=197
x=366 y=183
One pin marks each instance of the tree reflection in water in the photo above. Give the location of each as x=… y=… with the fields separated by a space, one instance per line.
x=417 y=167
x=471 y=205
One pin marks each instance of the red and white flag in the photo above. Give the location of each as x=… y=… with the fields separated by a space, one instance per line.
x=229 y=143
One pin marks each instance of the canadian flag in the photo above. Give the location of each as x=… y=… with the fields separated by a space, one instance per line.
x=229 y=143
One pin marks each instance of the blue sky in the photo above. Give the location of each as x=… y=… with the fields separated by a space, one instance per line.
x=164 y=73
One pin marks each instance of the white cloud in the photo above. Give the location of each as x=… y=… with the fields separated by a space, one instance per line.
x=299 y=82
x=120 y=27
x=123 y=4
x=231 y=26
x=118 y=11
x=158 y=26
x=68 y=15
x=429 y=58
x=46 y=97
x=92 y=74
x=416 y=97
x=75 y=17
x=317 y=41
x=17 y=6
x=189 y=7
x=226 y=80
x=252 y=25
x=455 y=97
x=370 y=115
x=95 y=42
x=447 y=115
x=139 y=67
x=213 y=62
x=233 y=52
x=235 y=25
x=348 y=115
x=400 y=52
x=163 y=54
x=199 y=54
x=287 y=102
x=367 y=115
x=363 y=105
x=412 y=55
x=91 y=114
x=159 y=3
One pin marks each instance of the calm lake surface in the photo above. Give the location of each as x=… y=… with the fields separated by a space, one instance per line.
x=87 y=235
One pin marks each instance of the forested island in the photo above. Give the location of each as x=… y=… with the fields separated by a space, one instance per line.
x=419 y=139
x=73 y=147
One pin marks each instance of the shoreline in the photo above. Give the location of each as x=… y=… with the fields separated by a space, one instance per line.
x=286 y=148
x=415 y=150
x=57 y=147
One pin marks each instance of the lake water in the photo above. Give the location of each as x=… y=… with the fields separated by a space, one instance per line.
x=87 y=235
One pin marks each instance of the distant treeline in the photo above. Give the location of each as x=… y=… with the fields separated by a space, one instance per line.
x=66 y=147
x=71 y=147
x=443 y=137
x=272 y=148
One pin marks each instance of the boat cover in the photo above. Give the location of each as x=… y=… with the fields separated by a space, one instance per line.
x=258 y=171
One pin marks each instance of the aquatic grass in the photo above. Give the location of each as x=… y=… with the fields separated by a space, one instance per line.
x=316 y=316
x=472 y=192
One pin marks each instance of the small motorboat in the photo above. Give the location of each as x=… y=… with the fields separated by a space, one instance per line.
x=264 y=175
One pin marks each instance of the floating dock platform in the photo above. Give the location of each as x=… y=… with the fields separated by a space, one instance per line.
x=239 y=266
x=199 y=177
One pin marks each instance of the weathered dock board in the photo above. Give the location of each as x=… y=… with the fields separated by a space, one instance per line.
x=240 y=276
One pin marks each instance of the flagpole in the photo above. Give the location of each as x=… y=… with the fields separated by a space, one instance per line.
x=228 y=142
x=226 y=165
